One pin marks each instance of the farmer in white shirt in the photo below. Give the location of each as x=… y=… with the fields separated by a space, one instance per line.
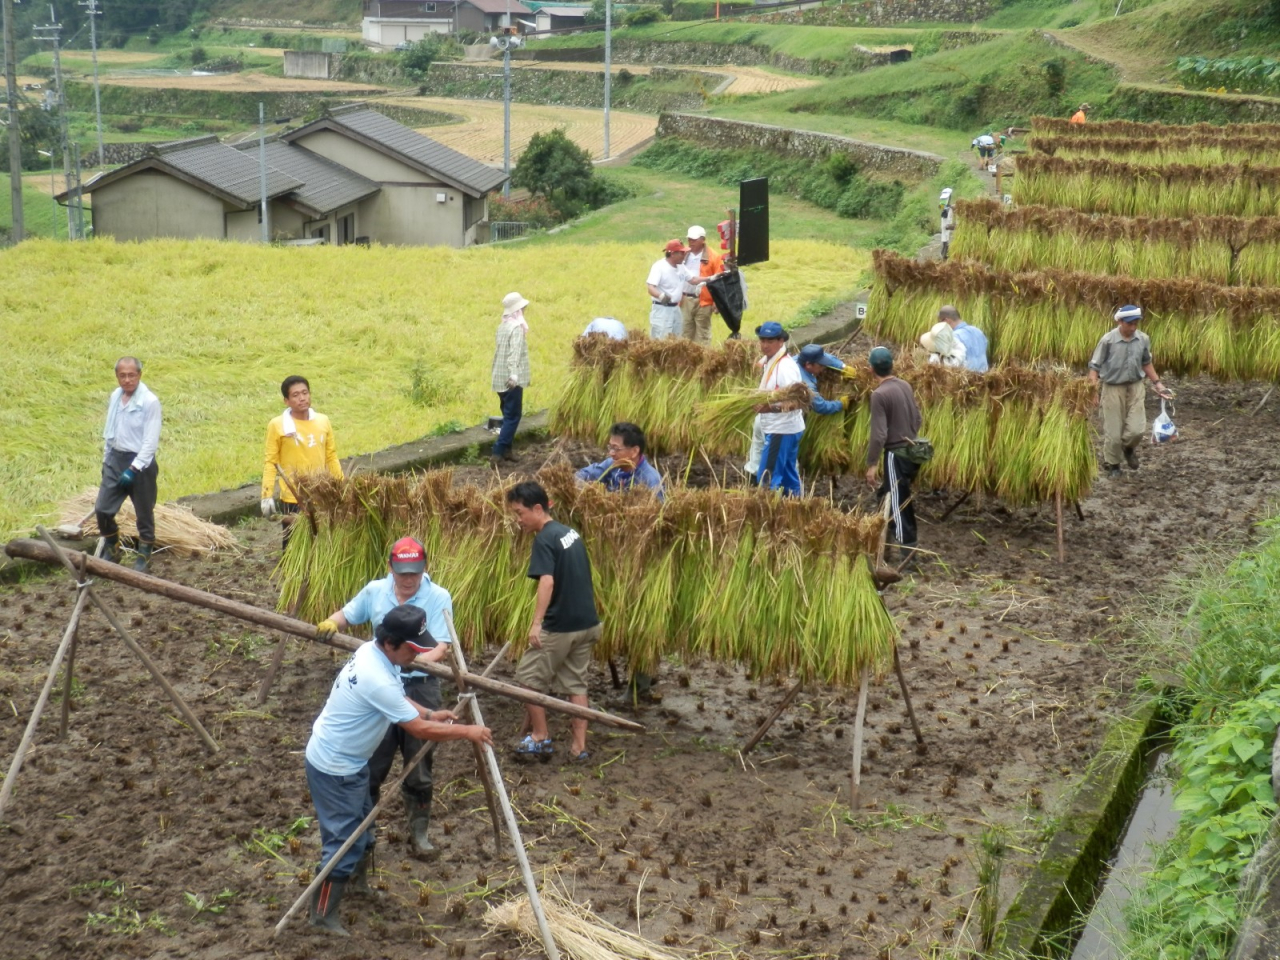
x=365 y=698
x=782 y=421
x=129 y=465
x=666 y=287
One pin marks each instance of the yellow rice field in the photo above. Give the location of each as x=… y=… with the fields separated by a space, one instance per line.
x=219 y=325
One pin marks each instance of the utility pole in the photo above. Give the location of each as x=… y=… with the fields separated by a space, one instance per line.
x=262 y=171
x=75 y=217
x=608 y=68
x=15 y=132
x=94 y=9
x=508 y=42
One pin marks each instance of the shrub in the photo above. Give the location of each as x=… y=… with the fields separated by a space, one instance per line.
x=198 y=55
x=535 y=211
x=645 y=15
x=268 y=39
x=554 y=167
x=128 y=126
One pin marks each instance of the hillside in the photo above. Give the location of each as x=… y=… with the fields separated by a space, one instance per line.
x=306 y=11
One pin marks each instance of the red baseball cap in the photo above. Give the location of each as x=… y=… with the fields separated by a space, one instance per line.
x=407 y=556
x=675 y=246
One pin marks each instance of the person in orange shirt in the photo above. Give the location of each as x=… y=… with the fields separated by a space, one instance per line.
x=697 y=306
x=1079 y=115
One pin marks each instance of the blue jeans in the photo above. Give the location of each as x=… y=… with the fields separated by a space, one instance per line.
x=512 y=410
x=779 y=466
x=341 y=804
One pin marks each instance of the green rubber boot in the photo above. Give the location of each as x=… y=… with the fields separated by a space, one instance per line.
x=324 y=907
x=143 y=552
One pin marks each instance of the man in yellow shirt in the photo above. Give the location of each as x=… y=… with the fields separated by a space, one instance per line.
x=299 y=442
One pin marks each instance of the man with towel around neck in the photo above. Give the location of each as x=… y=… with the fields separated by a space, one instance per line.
x=299 y=441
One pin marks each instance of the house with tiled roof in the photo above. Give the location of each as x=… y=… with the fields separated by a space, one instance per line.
x=351 y=175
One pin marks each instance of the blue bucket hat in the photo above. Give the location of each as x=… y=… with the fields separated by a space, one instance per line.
x=813 y=353
x=772 y=330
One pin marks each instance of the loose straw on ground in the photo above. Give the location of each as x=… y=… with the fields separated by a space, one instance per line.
x=177 y=528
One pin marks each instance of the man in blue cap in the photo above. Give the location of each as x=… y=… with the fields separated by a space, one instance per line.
x=781 y=420
x=813 y=360
x=895 y=419
x=1121 y=360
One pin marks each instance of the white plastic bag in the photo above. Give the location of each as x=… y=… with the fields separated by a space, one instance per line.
x=1162 y=428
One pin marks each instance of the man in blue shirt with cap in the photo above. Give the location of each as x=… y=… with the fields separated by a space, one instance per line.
x=813 y=360
x=365 y=698
x=406 y=582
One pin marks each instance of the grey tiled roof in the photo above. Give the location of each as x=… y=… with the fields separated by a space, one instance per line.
x=326 y=185
x=227 y=169
x=452 y=166
x=499 y=6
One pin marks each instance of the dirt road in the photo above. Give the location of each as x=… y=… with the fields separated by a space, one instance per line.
x=746 y=80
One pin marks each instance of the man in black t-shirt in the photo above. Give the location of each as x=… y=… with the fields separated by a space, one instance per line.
x=565 y=625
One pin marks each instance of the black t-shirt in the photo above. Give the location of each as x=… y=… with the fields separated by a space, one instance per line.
x=560 y=552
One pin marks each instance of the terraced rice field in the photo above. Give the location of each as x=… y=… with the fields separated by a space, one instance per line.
x=239 y=83
x=479 y=135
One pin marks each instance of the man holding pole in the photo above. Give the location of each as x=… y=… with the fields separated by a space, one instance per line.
x=895 y=420
x=406 y=583
x=366 y=697
x=565 y=625
x=129 y=469
x=299 y=441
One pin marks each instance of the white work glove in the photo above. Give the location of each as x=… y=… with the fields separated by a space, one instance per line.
x=512 y=383
x=268 y=506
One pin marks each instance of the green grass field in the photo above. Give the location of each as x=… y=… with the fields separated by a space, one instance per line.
x=400 y=346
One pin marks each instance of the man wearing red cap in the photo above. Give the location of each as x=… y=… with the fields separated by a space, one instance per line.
x=666 y=287
x=366 y=696
x=406 y=583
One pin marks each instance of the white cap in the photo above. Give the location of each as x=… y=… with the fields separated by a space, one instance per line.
x=946 y=194
x=697 y=233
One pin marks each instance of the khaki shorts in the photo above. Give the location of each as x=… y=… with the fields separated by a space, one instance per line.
x=561 y=663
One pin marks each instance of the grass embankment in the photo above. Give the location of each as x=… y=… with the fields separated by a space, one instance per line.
x=307 y=11
x=220 y=325
x=1189 y=905
x=38 y=216
x=999 y=83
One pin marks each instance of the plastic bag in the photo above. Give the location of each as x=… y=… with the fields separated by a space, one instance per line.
x=1162 y=428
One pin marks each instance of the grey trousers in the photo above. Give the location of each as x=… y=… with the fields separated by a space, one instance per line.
x=417 y=786
x=142 y=493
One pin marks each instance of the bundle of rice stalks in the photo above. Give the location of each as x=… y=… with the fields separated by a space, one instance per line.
x=1198 y=149
x=649 y=382
x=1128 y=129
x=722 y=423
x=1173 y=190
x=709 y=572
x=578 y=932
x=177 y=528
x=1227 y=332
x=1223 y=250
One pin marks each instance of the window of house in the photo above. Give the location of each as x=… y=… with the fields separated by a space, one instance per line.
x=347 y=229
x=428 y=8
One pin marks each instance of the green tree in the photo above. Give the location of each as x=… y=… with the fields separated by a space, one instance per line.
x=596 y=13
x=39 y=130
x=555 y=167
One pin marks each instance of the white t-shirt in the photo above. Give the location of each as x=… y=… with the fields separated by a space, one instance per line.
x=948 y=223
x=668 y=279
x=606 y=325
x=781 y=370
x=366 y=698
x=692 y=268
x=986 y=141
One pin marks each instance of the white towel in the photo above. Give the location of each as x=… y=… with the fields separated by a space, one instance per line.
x=287 y=426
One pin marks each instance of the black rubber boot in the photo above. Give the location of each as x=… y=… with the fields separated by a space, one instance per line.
x=111 y=548
x=143 y=552
x=419 y=824
x=358 y=882
x=324 y=907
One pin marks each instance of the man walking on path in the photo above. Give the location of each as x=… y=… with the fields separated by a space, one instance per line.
x=365 y=698
x=129 y=468
x=1121 y=361
x=974 y=340
x=781 y=421
x=948 y=220
x=666 y=284
x=895 y=420
x=299 y=442
x=405 y=584
x=510 y=371
x=696 y=307
x=565 y=625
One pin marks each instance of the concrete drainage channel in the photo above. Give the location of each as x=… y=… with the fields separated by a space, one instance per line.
x=1070 y=905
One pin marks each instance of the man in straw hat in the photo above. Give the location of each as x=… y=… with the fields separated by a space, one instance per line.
x=510 y=373
x=1079 y=115
x=129 y=468
x=1120 y=362
x=895 y=420
x=365 y=698
x=406 y=583
x=781 y=421
x=299 y=441
x=665 y=283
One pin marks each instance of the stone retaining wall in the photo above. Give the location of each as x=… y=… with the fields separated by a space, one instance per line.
x=884 y=13
x=574 y=88
x=738 y=135
x=710 y=54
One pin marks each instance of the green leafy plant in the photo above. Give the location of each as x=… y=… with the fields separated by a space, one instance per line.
x=215 y=905
x=126 y=920
x=1248 y=74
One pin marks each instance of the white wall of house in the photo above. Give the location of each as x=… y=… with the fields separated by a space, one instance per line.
x=243 y=225
x=154 y=204
x=390 y=31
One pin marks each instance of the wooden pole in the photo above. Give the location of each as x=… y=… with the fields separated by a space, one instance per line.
x=281 y=645
x=773 y=718
x=69 y=671
x=495 y=776
x=906 y=695
x=15 y=767
x=459 y=662
x=864 y=682
x=1062 y=547
x=496 y=660
x=94 y=566
x=951 y=509
x=1265 y=397
x=34 y=550
x=350 y=841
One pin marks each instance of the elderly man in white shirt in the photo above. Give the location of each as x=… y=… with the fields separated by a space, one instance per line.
x=129 y=465
x=666 y=288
